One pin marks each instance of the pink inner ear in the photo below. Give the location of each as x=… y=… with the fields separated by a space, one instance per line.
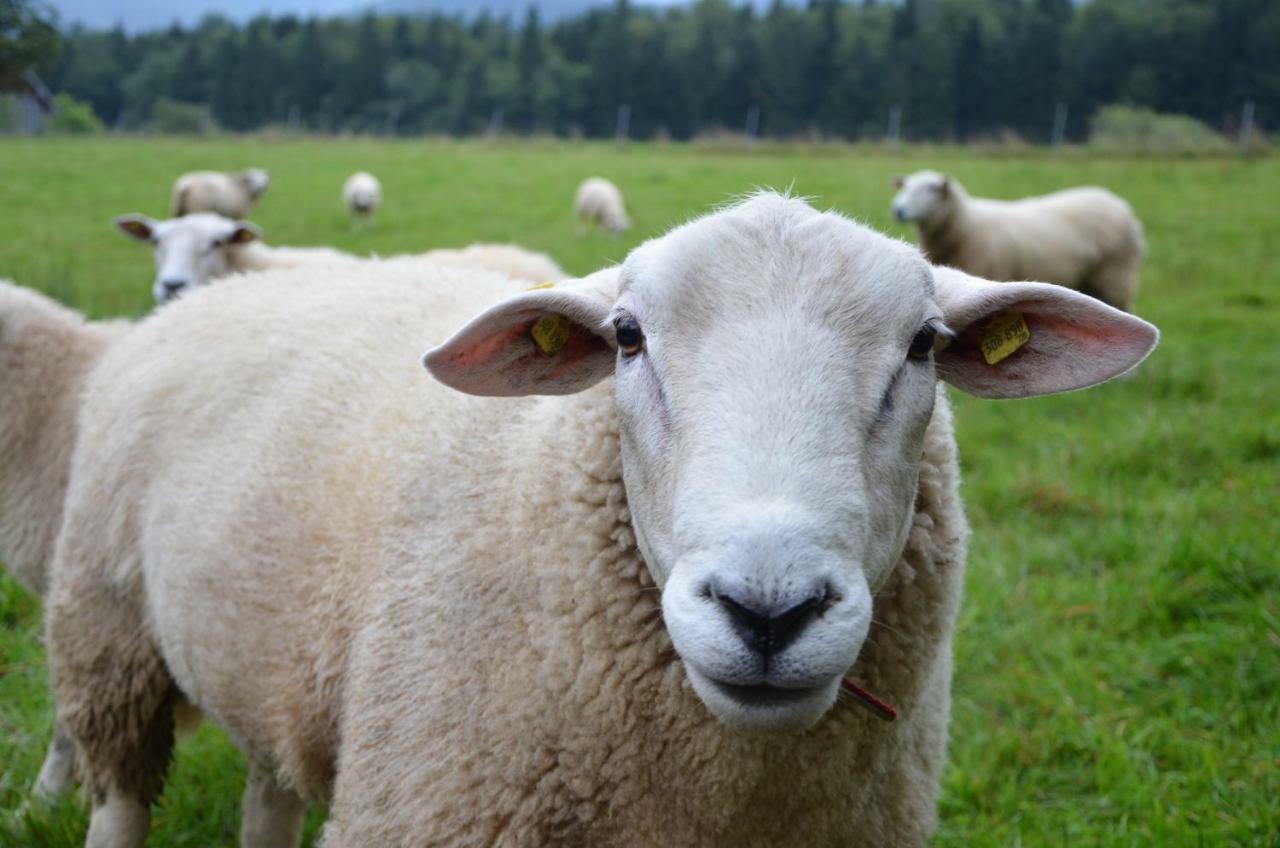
x=1062 y=355
x=488 y=348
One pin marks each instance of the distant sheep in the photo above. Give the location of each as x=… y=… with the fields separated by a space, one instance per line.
x=46 y=351
x=362 y=193
x=514 y=261
x=599 y=201
x=1085 y=238
x=229 y=195
x=195 y=250
x=621 y=617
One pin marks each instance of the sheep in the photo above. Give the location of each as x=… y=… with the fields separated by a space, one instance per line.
x=599 y=201
x=46 y=351
x=545 y=616
x=512 y=260
x=362 y=194
x=196 y=249
x=229 y=195
x=1084 y=238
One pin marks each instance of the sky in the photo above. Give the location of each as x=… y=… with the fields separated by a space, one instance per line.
x=138 y=15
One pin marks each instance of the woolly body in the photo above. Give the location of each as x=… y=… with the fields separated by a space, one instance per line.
x=1084 y=238
x=599 y=201
x=362 y=193
x=431 y=609
x=514 y=261
x=229 y=195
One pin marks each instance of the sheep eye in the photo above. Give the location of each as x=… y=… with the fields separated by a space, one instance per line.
x=630 y=338
x=922 y=344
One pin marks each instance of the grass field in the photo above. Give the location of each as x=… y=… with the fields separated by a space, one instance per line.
x=1117 y=670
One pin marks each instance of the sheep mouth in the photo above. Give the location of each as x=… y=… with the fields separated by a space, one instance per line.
x=764 y=695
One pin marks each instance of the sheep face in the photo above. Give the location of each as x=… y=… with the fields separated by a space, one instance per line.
x=255 y=181
x=774 y=378
x=923 y=196
x=190 y=251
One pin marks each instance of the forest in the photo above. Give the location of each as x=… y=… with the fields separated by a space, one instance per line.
x=944 y=70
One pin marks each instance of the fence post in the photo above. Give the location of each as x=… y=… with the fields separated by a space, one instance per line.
x=1059 y=125
x=895 y=124
x=1246 y=127
x=495 y=122
x=753 y=123
x=623 y=130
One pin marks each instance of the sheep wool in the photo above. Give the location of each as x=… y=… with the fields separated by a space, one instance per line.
x=510 y=259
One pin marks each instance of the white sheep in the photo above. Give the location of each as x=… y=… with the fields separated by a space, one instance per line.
x=230 y=195
x=46 y=351
x=195 y=250
x=362 y=194
x=534 y=620
x=599 y=201
x=510 y=259
x=1084 y=238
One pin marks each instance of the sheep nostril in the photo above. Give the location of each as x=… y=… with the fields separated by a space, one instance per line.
x=173 y=286
x=769 y=629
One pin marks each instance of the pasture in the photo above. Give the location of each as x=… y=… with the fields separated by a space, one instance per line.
x=1117 y=667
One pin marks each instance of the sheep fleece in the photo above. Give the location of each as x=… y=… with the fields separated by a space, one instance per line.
x=427 y=608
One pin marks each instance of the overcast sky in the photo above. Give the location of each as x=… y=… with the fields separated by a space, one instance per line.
x=151 y=14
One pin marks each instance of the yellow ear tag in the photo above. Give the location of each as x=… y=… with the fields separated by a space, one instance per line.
x=1003 y=335
x=547 y=285
x=550 y=333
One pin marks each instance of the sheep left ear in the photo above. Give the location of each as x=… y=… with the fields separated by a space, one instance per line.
x=1023 y=339
x=552 y=341
x=139 y=227
x=946 y=185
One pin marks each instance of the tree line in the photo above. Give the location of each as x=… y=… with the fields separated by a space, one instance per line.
x=950 y=69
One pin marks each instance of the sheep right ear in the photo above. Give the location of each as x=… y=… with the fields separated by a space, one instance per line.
x=139 y=227
x=551 y=341
x=1023 y=339
x=244 y=233
x=898 y=181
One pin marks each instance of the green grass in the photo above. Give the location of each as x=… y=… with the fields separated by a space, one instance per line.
x=1117 y=674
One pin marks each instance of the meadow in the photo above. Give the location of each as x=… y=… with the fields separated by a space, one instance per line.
x=1117 y=664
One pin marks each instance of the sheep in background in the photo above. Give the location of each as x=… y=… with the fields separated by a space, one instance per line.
x=362 y=193
x=195 y=250
x=510 y=259
x=46 y=351
x=599 y=201
x=437 y=612
x=229 y=195
x=1084 y=238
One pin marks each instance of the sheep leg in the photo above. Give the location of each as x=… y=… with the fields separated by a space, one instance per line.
x=118 y=820
x=271 y=814
x=58 y=770
x=115 y=699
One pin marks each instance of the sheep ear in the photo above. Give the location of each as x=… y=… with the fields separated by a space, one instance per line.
x=897 y=181
x=139 y=227
x=244 y=233
x=552 y=341
x=946 y=185
x=1024 y=339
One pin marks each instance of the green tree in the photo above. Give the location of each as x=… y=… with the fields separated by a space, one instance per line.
x=28 y=39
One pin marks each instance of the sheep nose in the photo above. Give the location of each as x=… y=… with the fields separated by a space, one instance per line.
x=900 y=214
x=172 y=287
x=766 y=628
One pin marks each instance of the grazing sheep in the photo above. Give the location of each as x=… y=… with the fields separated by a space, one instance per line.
x=509 y=259
x=362 y=193
x=1086 y=238
x=46 y=351
x=599 y=201
x=195 y=250
x=228 y=195
x=534 y=620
